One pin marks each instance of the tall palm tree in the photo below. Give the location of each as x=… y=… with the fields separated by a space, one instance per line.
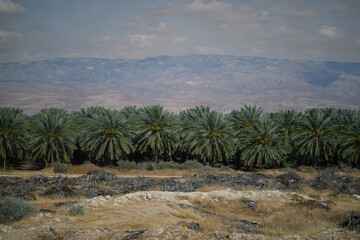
x=350 y=142
x=316 y=136
x=208 y=135
x=156 y=131
x=12 y=134
x=106 y=136
x=263 y=143
x=53 y=136
x=246 y=117
x=288 y=121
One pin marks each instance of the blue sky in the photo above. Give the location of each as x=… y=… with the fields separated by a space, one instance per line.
x=295 y=29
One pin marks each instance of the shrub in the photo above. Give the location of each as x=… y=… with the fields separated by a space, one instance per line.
x=61 y=167
x=126 y=165
x=191 y=164
x=13 y=209
x=148 y=166
x=76 y=209
x=168 y=165
x=314 y=195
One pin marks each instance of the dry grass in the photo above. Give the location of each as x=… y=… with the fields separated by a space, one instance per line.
x=207 y=223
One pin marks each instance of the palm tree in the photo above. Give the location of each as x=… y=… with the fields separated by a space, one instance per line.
x=53 y=136
x=246 y=117
x=156 y=131
x=263 y=143
x=106 y=135
x=316 y=136
x=350 y=142
x=12 y=134
x=208 y=135
x=288 y=121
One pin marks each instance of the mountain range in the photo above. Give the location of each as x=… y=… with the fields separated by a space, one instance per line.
x=178 y=82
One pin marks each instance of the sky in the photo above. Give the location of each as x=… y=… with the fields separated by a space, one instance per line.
x=327 y=30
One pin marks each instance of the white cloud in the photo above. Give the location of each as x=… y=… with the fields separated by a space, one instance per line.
x=163 y=27
x=331 y=32
x=138 y=46
x=180 y=40
x=295 y=9
x=142 y=41
x=209 y=50
x=6 y=35
x=224 y=13
x=9 y=7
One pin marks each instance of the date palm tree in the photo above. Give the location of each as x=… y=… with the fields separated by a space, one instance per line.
x=12 y=134
x=106 y=136
x=263 y=143
x=207 y=135
x=52 y=136
x=245 y=117
x=156 y=131
x=316 y=136
x=350 y=141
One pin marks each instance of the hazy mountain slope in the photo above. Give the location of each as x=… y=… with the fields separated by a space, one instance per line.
x=222 y=82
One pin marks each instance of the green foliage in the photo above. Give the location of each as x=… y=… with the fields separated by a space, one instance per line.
x=156 y=131
x=12 y=134
x=315 y=196
x=61 y=167
x=207 y=135
x=263 y=143
x=316 y=136
x=76 y=209
x=13 y=209
x=350 y=142
x=106 y=135
x=52 y=136
x=125 y=165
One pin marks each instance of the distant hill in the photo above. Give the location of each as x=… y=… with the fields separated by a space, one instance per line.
x=179 y=82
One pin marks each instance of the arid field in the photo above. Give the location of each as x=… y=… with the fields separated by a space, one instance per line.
x=184 y=205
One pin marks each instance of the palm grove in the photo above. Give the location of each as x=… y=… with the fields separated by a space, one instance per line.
x=242 y=138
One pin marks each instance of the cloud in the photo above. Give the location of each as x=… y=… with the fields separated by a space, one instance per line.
x=209 y=50
x=166 y=9
x=345 y=7
x=143 y=41
x=9 y=7
x=6 y=35
x=295 y=9
x=138 y=46
x=225 y=13
x=331 y=32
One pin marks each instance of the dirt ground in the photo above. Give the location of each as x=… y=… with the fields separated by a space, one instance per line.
x=214 y=212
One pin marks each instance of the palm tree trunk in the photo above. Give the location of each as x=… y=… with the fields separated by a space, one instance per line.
x=4 y=169
x=46 y=161
x=156 y=155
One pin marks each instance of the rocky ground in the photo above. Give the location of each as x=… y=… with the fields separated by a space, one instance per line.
x=242 y=206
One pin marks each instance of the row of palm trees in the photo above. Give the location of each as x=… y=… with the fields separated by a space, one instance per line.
x=246 y=137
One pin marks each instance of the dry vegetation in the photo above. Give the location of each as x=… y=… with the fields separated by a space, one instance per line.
x=276 y=218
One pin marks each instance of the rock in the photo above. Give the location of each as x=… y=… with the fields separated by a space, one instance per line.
x=299 y=201
x=194 y=226
x=352 y=221
x=100 y=176
x=246 y=227
x=59 y=191
x=133 y=234
x=90 y=194
x=5 y=228
x=290 y=178
x=221 y=236
x=250 y=204
x=343 y=184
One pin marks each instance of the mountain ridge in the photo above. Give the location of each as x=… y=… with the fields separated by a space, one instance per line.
x=179 y=82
